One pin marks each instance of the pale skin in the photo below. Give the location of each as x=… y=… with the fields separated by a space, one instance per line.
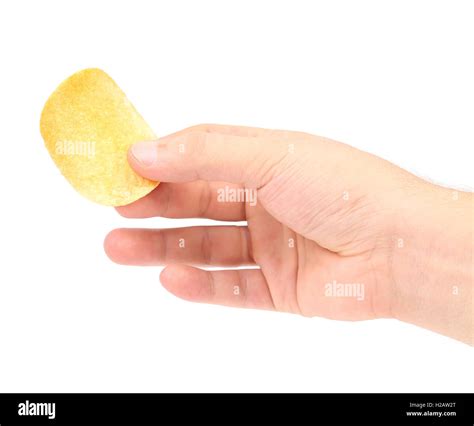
x=325 y=213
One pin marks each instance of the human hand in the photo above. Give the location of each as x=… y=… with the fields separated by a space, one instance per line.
x=335 y=232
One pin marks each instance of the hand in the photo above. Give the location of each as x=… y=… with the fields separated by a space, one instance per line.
x=335 y=232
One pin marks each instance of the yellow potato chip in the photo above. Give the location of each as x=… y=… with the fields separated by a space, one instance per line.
x=88 y=125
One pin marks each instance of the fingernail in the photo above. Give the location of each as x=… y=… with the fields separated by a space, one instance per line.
x=145 y=153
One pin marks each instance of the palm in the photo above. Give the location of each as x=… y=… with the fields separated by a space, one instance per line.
x=297 y=271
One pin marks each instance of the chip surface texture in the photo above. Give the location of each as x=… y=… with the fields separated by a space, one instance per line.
x=88 y=125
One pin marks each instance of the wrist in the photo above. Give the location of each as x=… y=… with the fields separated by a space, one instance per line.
x=431 y=264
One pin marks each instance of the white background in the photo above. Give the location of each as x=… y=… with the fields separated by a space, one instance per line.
x=393 y=78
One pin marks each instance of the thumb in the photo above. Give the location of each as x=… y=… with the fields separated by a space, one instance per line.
x=209 y=155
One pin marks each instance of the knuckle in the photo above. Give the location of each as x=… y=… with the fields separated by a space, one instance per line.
x=196 y=142
x=201 y=127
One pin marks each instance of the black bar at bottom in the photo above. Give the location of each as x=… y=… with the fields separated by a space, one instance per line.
x=220 y=409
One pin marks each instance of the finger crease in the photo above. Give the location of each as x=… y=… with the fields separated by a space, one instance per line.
x=212 y=284
x=206 y=248
x=204 y=199
x=243 y=284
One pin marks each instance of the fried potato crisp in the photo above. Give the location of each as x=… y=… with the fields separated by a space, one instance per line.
x=88 y=125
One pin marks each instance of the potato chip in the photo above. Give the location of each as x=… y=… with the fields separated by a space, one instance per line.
x=88 y=125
